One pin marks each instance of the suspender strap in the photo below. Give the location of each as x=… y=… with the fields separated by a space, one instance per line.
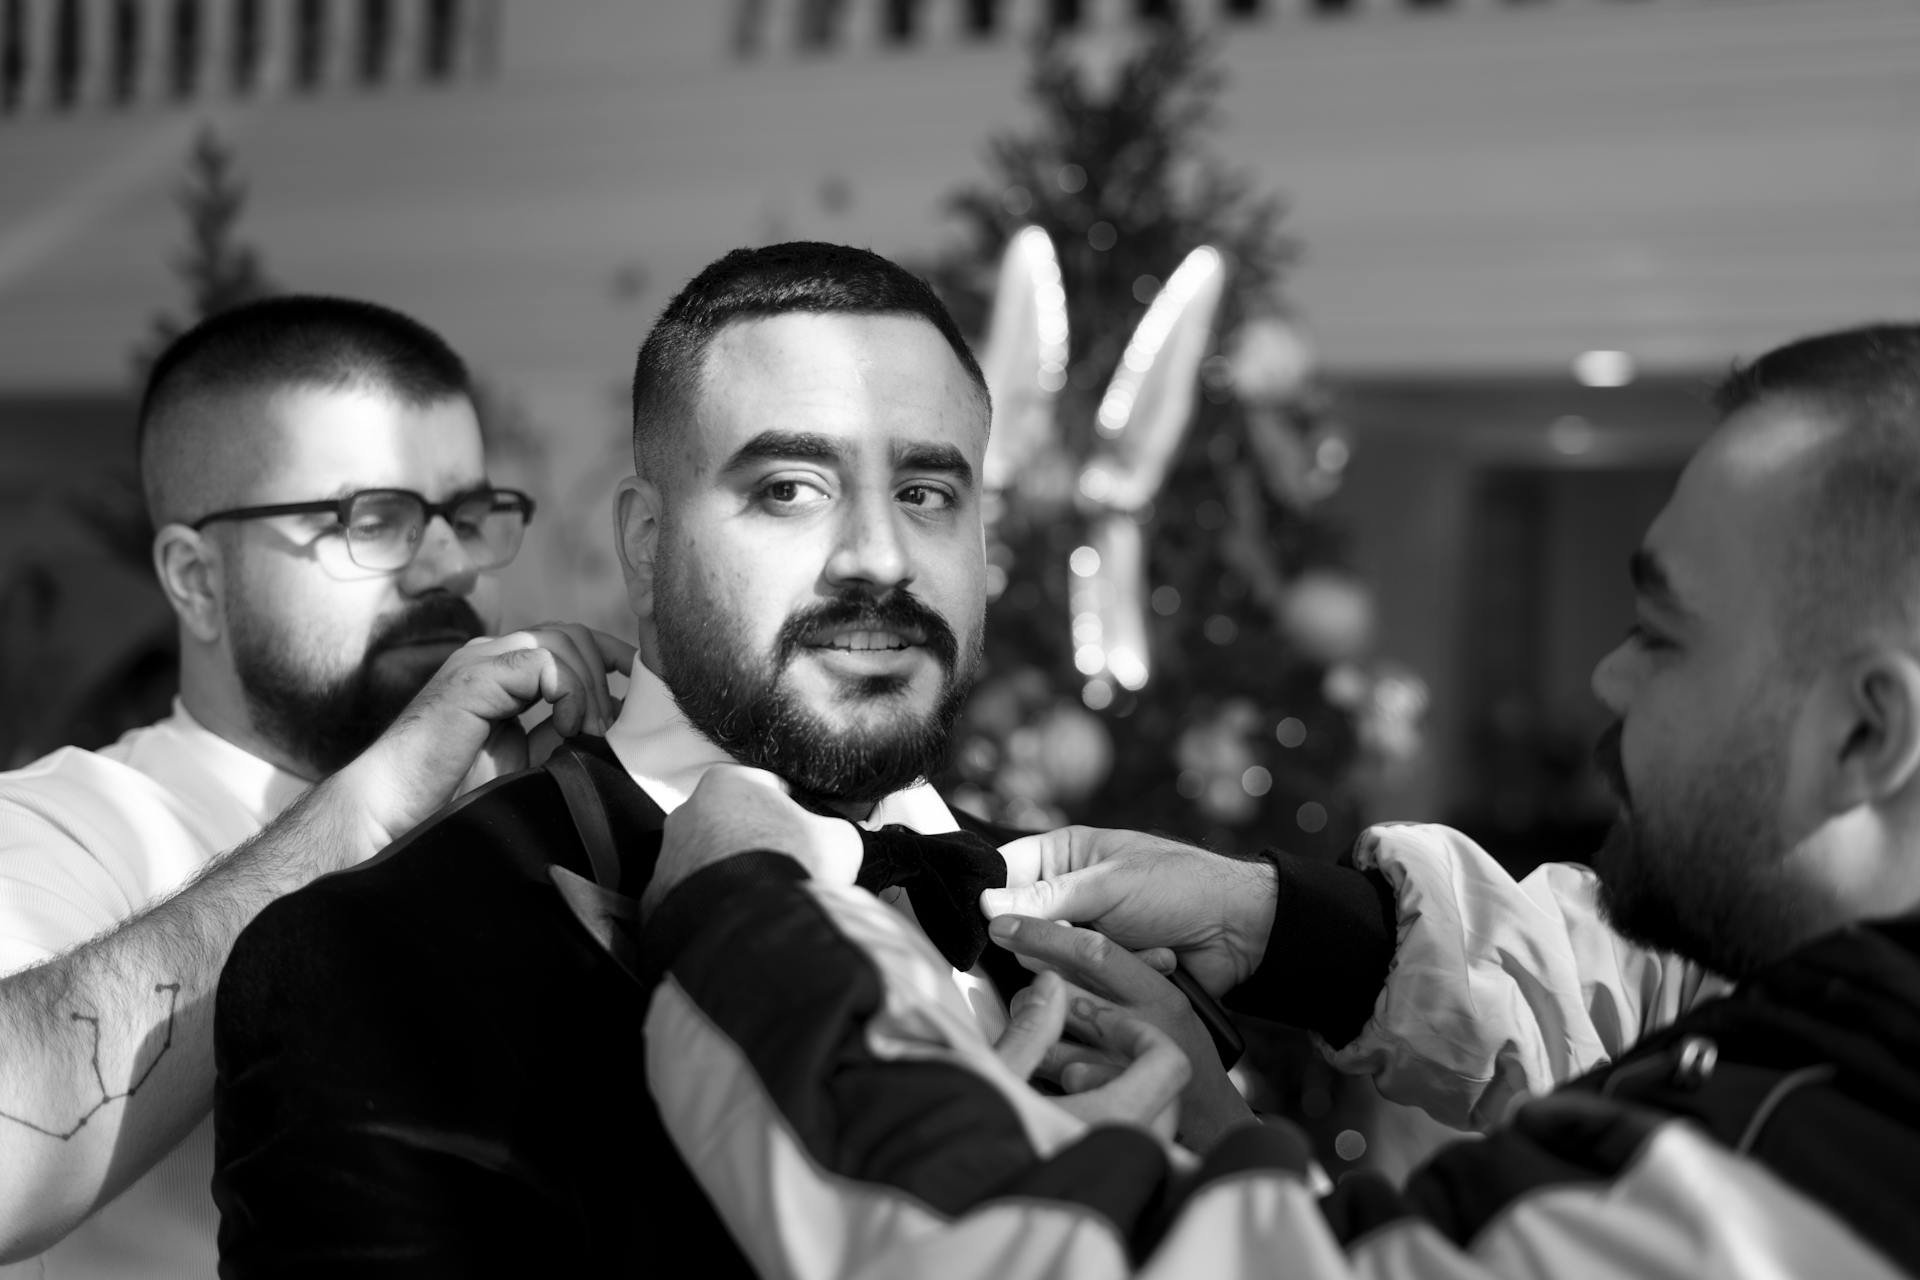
x=589 y=814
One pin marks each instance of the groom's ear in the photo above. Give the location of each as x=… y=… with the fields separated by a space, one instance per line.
x=636 y=532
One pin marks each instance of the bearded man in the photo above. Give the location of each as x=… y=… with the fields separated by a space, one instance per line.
x=1640 y=1117
x=437 y=1064
x=327 y=537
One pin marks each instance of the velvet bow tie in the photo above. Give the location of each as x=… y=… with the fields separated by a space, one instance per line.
x=943 y=876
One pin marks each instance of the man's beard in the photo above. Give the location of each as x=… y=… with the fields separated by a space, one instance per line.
x=747 y=707
x=1701 y=874
x=323 y=721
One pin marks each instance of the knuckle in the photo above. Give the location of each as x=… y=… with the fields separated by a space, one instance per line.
x=1093 y=948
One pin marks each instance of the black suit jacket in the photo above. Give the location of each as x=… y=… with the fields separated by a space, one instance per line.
x=426 y=1065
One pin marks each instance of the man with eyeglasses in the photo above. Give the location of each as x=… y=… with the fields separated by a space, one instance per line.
x=327 y=537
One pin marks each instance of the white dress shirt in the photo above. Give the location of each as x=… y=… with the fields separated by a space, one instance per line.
x=87 y=839
x=666 y=756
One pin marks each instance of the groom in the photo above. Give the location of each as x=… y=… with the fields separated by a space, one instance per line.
x=436 y=1064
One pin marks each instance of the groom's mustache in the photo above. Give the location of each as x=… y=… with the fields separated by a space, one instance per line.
x=896 y=611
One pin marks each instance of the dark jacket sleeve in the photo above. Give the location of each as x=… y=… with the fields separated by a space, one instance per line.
x=353 y=1125
x=1328 y=954
x=843 y=1133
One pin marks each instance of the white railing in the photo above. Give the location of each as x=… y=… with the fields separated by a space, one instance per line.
x=778 y=27
x=88 y=55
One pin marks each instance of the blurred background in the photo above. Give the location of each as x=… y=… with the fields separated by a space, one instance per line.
x=1479 y=263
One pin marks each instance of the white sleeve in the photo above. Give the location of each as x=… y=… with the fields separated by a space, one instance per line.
x=54 y=893
x=1500 y=989
x=844 y=1123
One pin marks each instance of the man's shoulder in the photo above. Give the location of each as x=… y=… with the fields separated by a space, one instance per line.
x=461 y=874
x=76 y=806
x=489 y=844
x=515 y=822
x=68 y=779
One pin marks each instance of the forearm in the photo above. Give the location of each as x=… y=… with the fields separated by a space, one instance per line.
x=106 y=1051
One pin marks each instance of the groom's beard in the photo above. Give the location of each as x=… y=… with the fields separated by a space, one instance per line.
x=748 y=707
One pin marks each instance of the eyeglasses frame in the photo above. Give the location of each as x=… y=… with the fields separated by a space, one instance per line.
x=340 y=507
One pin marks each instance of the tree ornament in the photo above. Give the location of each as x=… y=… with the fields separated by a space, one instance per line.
x=1268 y=361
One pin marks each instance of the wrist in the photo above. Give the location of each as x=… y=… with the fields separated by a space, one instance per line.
x=1248 y=912
x=346 y=813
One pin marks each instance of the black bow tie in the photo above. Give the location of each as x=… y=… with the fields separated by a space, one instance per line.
x=943 y=876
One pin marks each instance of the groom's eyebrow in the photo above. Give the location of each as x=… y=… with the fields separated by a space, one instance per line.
x=784 y=446
x=940 y=459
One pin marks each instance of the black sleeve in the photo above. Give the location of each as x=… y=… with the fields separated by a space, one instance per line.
x=358 y=1117
x=1327 y=958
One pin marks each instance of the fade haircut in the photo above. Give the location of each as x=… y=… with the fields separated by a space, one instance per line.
x=1851 y=545
x=290 y=342
x=801 y=276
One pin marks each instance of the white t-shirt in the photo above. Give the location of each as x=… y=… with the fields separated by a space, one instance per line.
x=666 y=756
x=87 y=839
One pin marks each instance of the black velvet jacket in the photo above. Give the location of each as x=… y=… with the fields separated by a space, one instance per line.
x=427 y=1065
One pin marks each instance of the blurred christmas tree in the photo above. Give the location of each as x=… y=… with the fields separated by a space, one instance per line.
x=1249 y=727
x=87 y=643
x=219 y=269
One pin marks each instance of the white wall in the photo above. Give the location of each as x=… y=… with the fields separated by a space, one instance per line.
x=1484 y=191
x=1492 y=189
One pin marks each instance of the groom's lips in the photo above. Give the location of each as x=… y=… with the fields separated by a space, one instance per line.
x=865 y=652
x=866 y=639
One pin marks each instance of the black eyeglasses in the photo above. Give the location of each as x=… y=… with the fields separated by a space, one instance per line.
x=382 y=527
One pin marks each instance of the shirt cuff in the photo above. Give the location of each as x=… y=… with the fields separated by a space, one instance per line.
x=1328 y=955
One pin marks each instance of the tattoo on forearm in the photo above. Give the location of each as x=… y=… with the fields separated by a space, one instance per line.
x=172 y=992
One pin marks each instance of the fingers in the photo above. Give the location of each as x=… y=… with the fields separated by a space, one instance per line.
x=1038 y=1014
x=735 y=810
x=541 y=742
x=598 y=653
x=482 y=684
x=576 y=686
x=1071 y=895
x=1161 y=960
x=562 y=663
x=1059 y=852
x=615 y=654
x=1079 y=1077
x=1066 y=1053
x=1038 y=857
x=1145 y=1090
x=1088 y=959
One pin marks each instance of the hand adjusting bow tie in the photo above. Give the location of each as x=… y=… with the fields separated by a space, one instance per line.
x=943 y=876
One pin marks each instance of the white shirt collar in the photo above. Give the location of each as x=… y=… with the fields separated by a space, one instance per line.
x=195 y=756
x=667 y=757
